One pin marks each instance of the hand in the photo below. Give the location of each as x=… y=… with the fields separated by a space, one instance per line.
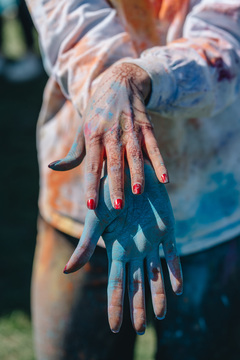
x=115 y=122
x=132 y=235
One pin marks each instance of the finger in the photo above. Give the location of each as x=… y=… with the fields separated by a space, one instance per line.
x=133 y=147
x=136 y=164
x=115 y=168
x=174 y=265
x=92 y=231
x=116 y=287
x=94 y=163
x=154 y=270
x=153 y=153
x=137 y=296
x=75 y=155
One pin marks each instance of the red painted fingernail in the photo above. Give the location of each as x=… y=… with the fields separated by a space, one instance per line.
x=118 y=204
x=91 y=204
x=165 y=178
x=137 y=189
x=65 y=271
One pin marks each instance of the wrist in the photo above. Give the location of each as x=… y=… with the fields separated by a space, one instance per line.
x=143 y=81
x=137 y=75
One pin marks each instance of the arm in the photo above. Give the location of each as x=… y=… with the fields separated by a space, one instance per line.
x=199 y=74
x=68 y=60
x=79 y=39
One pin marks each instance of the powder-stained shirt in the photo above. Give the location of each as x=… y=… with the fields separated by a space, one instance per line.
x=191 y=51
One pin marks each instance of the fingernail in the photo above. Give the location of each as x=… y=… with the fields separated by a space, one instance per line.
x=140 y=333
x=137 y=189
x=52 y=164
x=165 y=178
x=179 y=293
x=115 y=331
x=118 y=204
x=91 y=204
x=160 y=317
x=65 y=271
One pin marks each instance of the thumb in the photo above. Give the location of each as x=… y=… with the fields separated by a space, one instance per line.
x=75 y=155
x=92 y=231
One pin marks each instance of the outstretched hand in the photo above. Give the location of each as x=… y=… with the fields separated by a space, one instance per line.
x=116 y=122
x=133 y=235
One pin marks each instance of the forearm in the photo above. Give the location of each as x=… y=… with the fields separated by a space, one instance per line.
x=80 y=40
x=199 y=74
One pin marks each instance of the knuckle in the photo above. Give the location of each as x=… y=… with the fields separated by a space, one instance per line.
x=137 y=285
x=73 y=154
x=154 y=150
x=90 y=191
x=114 y=156
x=95 y=139
x=137 y=129
x=133 y=149
x=116 y=191
x=155 y=274
x=146 y=128
x=94 y=168
x=139 y=315
x=116 y=283
x=126 y=122
x=115 y=169
x=113 y=135
x=137 y=157
x=159 y=295
x=114 y=151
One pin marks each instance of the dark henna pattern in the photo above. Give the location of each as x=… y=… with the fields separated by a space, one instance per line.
x=115 y=123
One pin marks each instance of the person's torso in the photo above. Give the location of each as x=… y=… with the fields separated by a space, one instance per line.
x=200 y=154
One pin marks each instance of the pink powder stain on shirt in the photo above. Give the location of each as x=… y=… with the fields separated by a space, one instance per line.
x=223 y=72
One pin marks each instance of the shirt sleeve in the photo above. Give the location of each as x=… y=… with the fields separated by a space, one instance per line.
x=199 y=74
x=79 y=39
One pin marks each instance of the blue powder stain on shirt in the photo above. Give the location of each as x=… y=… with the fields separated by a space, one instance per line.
x=110 y=115
x=220 y=203
x=159 y=102
x=219 y=232
x=214 y=205
x=237 y=88
x=183 y=228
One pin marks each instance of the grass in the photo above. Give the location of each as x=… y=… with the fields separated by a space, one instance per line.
x=13 y=44
x=145 y=346
x=19 y=108
x=16 y=339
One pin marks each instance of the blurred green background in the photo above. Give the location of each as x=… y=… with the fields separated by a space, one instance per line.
x=19 y=107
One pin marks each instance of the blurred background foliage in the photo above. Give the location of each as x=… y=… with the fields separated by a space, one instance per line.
x=19 y=107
